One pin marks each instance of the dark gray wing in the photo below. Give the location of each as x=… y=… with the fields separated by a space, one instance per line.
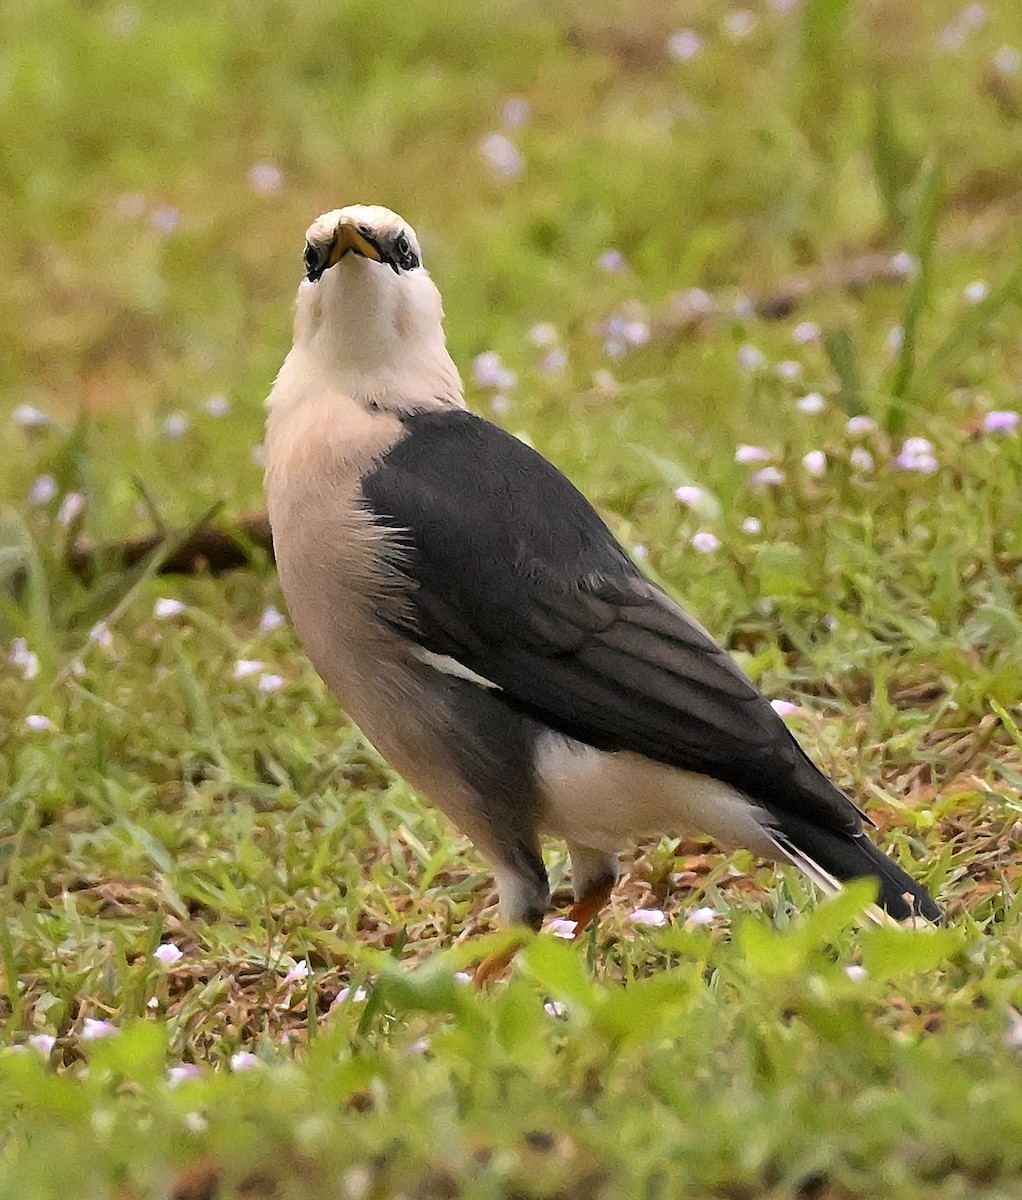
x=514 y=574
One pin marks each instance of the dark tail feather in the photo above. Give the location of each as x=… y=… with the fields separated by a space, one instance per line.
x=851 y=857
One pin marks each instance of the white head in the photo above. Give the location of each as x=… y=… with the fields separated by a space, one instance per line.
x=368 y=317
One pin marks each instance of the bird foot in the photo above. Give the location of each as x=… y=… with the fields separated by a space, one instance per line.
x=587 y=908
x=493 y=967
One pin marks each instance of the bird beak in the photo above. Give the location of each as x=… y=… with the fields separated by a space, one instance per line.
x=349 y=239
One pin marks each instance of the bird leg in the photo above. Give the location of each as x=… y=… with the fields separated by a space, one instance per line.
x=587 y=908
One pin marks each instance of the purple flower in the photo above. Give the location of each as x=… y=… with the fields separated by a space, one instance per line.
x=861 y=459
x=561 y=927
x=43 y=1042
x=93 y=1030
x=739 y=24
x=789 y=370
x=271 y=683
x=175 y=426
x=855 y=973
x=168 y=954
x=752 y=525
x=1002 y=421
x=489 y=372
x=543 y=335
x=20 y=656
x=243 y=1061
x=177 y=1075
x=40 y=724
x=246 y=667
x=43 y=490
x=752 y=454
x=553 y=361
x=976 y=292
x=785 y=708
x=165 y=219
x=218 y=405
x=167 y=607
x=612 y=261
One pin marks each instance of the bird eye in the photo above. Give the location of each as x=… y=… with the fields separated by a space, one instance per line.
x=311 y=256
x=401 y=244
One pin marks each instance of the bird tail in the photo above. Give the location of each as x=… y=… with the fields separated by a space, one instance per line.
x=829 y=858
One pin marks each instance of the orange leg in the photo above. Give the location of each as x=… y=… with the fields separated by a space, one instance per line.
x=492 y=967
x=587 y=908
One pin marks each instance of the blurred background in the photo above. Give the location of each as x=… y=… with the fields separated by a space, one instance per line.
x=609 y=196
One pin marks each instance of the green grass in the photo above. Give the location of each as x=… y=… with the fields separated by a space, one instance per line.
x=167 y=796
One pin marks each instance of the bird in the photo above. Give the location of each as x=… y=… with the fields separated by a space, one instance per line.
x=479 y=622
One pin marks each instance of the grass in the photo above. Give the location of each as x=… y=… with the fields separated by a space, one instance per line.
x=161 y=162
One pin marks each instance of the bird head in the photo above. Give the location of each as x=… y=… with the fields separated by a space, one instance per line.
x=368 y=315
x=364 y=230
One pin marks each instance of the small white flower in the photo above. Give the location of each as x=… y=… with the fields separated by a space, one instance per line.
x=1007 y=61
x=167 y=607
x=258 y=454
x=264 y=178
x=500 y=405
x=750 y=358
x=861 y=459
x=165 y=219
x=752 y=454
x=463 y=977
x=358 y=996
x=635 y=333
x=612 y=261
x=271 y=619
x=246 y=667
x=701 y=916
x=543 y=335
x=684 y=45
x=42 y=491
x=71 y=507
x=855 y=973
x=976 y=292
x=20 y=656
x=271 y=683
x=815 y=463
x=789 y=370
x=785 y=708
x=739 y=24
x=555 y=1009
x=861 y=426
x=705 y=542
x=561 y=927
x=812 y=403
x=917 y=455
x=516 y=112
x=175 y=426
x=101 y=635
x=553 y=361
x=178 y=1075
x=639 y=552
x=752 y=525
x=690 y=495
x=218 y=406
x=43 y=1042
x=27 y=416
x=767 y=477
x=297 y=973
x=130 y=206
x=805 y=332
x=894 y=340
x=652 y=917
x=244 y=1061
x=40 y=724
x=168 y=954
x=502 y=156
x=904 y=263
x=489 y=372
x=93 y=1030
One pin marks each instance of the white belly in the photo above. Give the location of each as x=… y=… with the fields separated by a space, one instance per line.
x=604 y=800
